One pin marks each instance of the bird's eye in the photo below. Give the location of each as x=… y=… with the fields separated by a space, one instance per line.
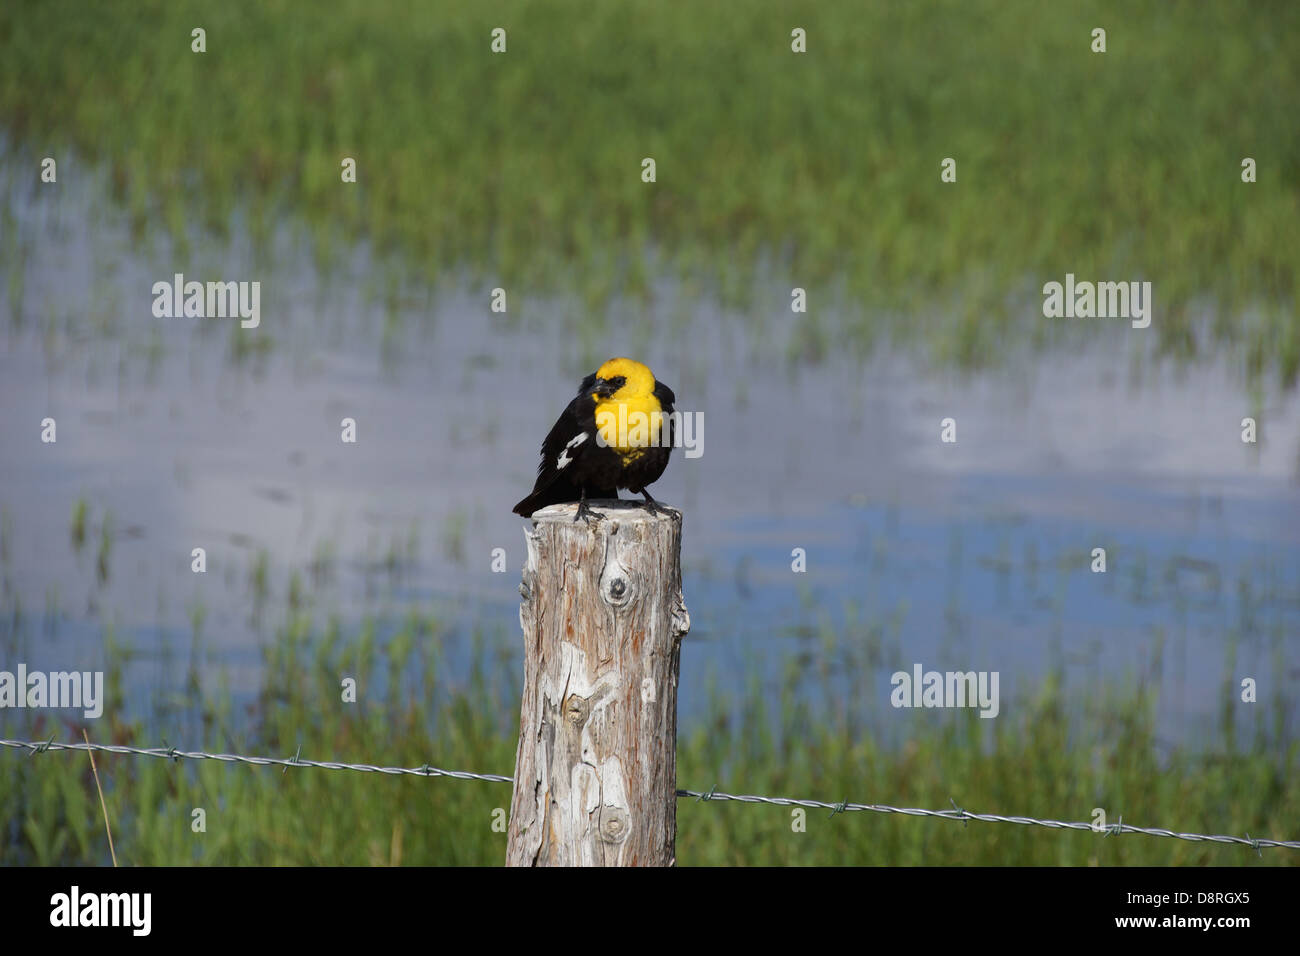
x=618 y=382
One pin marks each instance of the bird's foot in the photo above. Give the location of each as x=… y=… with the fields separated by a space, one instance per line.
x=653 y=506
x=585 y=513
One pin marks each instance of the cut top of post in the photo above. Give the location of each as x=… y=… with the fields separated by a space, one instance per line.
x=605 y=509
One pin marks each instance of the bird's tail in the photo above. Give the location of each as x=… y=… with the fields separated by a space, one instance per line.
x=552 y=494
x=530 y=504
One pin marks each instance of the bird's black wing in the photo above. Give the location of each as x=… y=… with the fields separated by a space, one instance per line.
x=573 y=434
x=666 y=399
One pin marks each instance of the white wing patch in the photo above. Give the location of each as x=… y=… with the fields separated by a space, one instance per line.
x=574 y=442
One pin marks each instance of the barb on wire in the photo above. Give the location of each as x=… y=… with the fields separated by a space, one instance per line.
x=956 y=813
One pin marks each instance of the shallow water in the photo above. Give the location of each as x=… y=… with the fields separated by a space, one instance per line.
x=962 y=556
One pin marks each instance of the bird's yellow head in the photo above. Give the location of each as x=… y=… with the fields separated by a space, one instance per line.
x=623 y=378
x=628 y=414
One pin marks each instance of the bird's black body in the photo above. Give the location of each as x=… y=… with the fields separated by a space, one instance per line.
x=575 y=466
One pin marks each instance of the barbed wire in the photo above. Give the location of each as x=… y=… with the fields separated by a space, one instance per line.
x=957 y=813
x=174 y=754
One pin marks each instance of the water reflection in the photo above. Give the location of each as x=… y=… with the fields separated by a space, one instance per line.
x=180 y=433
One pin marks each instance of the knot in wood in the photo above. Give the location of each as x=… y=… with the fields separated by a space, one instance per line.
x=616 y=587
x=577 y=709
x=615 y=823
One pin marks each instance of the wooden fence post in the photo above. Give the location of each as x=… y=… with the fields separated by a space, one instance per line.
x=603 y=618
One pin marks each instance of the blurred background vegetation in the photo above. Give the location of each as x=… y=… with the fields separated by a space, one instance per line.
x=1123 y=165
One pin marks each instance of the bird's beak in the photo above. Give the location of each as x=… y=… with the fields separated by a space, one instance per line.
x=603 y=388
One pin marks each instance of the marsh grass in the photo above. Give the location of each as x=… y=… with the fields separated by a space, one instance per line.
x=525 y=167
x=1042 y=759
x=78 y=528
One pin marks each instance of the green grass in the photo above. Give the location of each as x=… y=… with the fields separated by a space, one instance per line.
x=1035 y=761
x=78 y=529
x=525 y=167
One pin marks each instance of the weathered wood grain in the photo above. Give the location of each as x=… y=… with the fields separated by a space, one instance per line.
x=603 y=618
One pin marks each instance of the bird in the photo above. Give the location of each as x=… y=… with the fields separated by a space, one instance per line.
x=616 y=433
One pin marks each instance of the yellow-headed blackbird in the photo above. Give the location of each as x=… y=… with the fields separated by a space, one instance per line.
x=617 y=433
